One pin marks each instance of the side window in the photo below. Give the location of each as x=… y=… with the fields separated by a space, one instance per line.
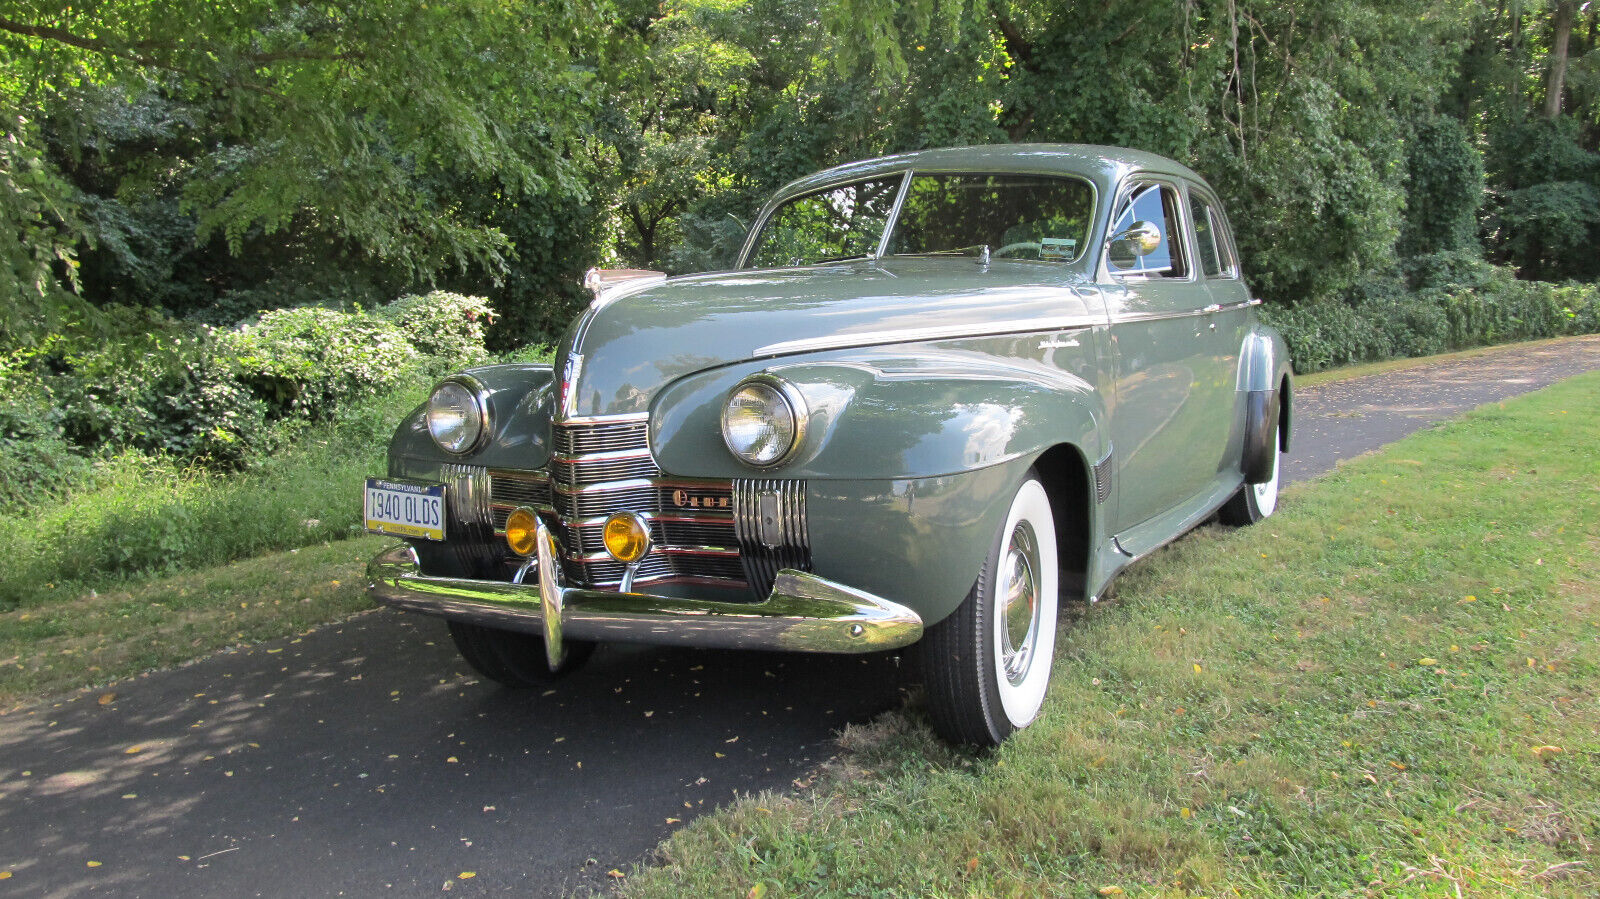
x=1211 y=236
x=1156 y=204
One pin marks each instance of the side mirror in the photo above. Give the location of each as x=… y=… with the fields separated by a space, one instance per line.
x=1140 y=239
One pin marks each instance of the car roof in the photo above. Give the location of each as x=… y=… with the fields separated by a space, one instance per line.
x=1104 y=165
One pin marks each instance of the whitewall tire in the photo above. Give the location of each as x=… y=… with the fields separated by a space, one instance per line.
x=987 y=666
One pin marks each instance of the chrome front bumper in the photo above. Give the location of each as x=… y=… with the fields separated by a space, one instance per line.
x=804 y=613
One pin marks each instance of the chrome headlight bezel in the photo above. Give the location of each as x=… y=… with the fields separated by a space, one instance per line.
x=782 y=398
x=474 y=413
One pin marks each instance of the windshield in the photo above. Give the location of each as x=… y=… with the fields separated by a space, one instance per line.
x=828 y=225
x=1036 y=217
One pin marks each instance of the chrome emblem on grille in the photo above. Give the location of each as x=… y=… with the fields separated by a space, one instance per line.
x=683 y=499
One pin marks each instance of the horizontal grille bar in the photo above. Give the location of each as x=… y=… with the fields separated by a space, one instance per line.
x=573 y=440
x=578 y=472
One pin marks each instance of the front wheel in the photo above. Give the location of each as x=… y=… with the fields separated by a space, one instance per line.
x=985 y=668
x=512 y=658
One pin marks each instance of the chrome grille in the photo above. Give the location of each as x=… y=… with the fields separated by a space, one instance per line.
x=608 y=467
x=602 y=437
x=769 y=521
x=603 y=467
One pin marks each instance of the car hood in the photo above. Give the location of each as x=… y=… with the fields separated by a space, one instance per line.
x=631 y=345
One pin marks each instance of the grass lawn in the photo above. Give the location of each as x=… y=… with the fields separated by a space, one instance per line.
x=1391 y=687
x=103 y=636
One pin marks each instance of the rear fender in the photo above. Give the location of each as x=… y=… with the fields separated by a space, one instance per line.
x=1265 y=378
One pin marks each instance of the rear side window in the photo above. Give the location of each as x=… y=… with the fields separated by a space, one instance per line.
x=1211 y=239
x=1155 y=204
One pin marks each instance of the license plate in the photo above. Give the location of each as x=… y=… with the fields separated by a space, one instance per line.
x=404 y=508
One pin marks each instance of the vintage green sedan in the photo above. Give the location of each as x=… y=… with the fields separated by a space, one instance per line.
x=940 y=393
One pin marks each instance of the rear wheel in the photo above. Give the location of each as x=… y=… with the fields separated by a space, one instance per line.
x=1254 y=502
x=985 y=668
x=512 y=658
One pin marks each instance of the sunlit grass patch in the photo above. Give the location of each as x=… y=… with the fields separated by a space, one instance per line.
x=104 y=636
x=1388 y=688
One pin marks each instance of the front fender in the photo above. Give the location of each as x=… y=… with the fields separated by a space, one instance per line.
x=520 y=408
x=918 y=415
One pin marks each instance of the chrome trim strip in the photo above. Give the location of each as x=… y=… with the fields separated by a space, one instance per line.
x=894 y=216
x=603 y=487
x=605 y=419
x=917 y=335
x=803 y=613
x=605 y=456
x=716 y=551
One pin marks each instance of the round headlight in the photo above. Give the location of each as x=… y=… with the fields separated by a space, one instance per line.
x=457 y=418
x=763 y=420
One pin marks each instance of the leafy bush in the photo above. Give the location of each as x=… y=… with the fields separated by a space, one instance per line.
x=443 y=326
x=1444 y=301
x=134 y=380
x=305 y=363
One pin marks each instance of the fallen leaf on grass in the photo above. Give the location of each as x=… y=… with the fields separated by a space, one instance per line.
x=107 y=698
x=972 y=864
x=1117 y=891
x=1541 y=750
x=1197 y=670
x=1427 y=663
x=1397 y=766
x=91 y=864
x=466 y=875
x=757 y=891
x=615 y=874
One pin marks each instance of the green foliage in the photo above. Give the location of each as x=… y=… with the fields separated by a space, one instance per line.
x=275 y=133
x=1444 y=188
x=1449 y=301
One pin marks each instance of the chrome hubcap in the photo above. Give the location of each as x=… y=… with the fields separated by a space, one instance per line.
x=1019 y=602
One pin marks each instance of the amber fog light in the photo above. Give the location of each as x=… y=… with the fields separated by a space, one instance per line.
x=522 y=532
x=627 y=537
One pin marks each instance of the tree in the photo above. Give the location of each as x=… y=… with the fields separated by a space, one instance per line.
x=326 y=116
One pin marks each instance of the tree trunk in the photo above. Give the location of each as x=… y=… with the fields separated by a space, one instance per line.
x=1565 y=11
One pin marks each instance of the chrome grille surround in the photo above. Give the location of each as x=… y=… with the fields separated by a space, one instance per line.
x=704 y=530
x=769 y=520
x=601 y=466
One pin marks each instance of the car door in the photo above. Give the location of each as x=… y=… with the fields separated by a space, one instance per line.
x=1217 y=263
x=1172 y=413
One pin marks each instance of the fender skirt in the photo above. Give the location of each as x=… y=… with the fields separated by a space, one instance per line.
x=1260 y=431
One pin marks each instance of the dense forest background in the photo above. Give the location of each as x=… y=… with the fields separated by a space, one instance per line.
x=213 y=160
